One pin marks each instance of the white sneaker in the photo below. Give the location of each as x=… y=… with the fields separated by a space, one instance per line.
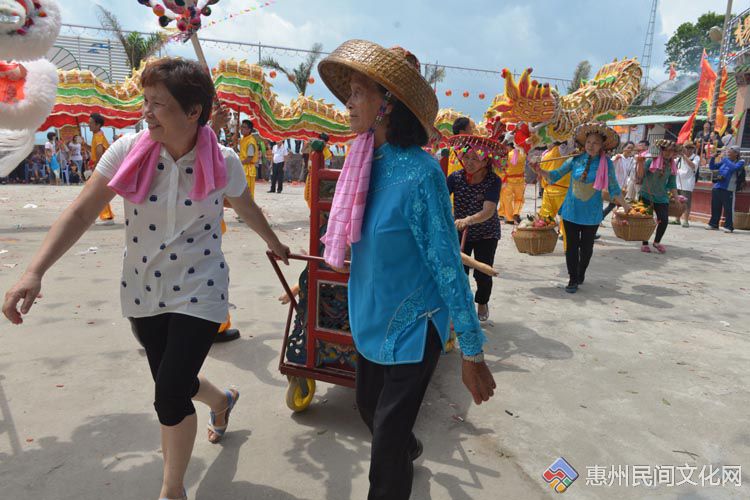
x=711 y=228
x=108 y=222
x=727 y=230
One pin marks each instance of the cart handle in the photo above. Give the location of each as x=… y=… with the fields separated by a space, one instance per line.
x=294 y=256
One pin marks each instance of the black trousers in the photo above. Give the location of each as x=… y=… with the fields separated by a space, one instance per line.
x=721 y=200
x=277 y=177
x=662 y=220
x=176 y=347
x=389 y=398
x=484 y=251
x=579 y=247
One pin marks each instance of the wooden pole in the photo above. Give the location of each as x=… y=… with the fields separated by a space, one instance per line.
x=199 y=51
x=722 y=55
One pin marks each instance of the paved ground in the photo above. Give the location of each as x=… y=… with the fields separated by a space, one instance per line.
x=646 y=365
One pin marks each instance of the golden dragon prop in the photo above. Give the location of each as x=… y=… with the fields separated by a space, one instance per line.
x=554 y=117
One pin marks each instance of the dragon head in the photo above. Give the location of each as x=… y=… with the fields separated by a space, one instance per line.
x=525 y=101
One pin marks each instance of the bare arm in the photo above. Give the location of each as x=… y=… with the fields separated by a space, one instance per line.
x=63 y=234
x=620 y=200
x=688 y=162
x=489 y=208
x=254 y=218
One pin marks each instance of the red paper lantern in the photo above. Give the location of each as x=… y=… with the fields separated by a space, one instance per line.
x=449 y=92
x=290 y=78
x=311 y=80
x=466 y=94
x=272 y=74
x=481 y=95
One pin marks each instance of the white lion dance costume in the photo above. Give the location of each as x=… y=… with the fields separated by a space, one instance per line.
x=28 y=82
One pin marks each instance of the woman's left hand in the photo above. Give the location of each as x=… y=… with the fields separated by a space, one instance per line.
x=462 y=224
x=280 y=250
x=478 y=379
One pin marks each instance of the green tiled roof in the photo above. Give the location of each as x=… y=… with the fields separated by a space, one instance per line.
x=683 y=103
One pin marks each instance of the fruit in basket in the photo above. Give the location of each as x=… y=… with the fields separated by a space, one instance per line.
x=537 y=222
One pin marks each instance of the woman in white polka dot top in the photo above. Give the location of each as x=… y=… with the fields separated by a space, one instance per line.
x=174 y=178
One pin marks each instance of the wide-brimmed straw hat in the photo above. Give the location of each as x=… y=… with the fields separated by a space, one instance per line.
x=396 y=69
x=463 y=143
x=666 y=144
x=610 y=137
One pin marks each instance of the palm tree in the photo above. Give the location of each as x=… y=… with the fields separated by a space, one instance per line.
x=137 y=47
x=581 y=74
x=300 y=75
x=434 y=74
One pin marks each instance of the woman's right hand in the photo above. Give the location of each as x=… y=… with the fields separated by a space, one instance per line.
x=27 y=289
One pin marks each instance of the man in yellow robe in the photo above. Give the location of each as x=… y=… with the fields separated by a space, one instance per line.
x=554 y=194
x=514 y=186
x=249 y=154
x=99 y=145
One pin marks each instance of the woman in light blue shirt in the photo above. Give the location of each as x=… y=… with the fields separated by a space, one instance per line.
x=581 y=211
x=407 y=281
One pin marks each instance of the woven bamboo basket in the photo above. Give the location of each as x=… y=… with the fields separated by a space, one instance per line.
x=742 y=220
x=535 y=241
x=675 y=209
x=633 y=227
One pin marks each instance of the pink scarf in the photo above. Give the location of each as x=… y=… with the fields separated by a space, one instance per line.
x=133 y=180
x=658 y=164
x=349 y=200
x=602 y=174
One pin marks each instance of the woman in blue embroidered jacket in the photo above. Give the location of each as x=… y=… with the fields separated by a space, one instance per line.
x=407 y=281
x=581 y=212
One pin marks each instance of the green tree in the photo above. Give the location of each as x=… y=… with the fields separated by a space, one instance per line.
x=300 y=75
x=137 y=47
x=581 y=74
x=434 y=74
x=685 y=47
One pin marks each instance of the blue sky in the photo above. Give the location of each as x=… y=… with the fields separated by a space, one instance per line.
x=551 y=36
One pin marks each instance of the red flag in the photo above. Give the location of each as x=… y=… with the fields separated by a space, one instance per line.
x=705 y=93
x=721 y=119
x=687 y=129
x=672 y=72
x=707 y=81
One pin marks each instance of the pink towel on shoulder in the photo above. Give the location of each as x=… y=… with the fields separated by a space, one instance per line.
x=133 y=180
x=349 y=200
x=601 y=182
x=658 y=164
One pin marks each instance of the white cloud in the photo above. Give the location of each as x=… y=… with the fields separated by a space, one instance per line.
x=675 y=12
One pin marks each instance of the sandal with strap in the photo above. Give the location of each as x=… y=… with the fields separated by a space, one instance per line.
x=660 y=248
x=220 y=430
x=645 y=249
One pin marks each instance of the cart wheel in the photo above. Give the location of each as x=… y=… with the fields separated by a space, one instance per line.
x=300 y=393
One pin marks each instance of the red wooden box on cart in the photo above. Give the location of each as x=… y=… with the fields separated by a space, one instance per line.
x=317 y=344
